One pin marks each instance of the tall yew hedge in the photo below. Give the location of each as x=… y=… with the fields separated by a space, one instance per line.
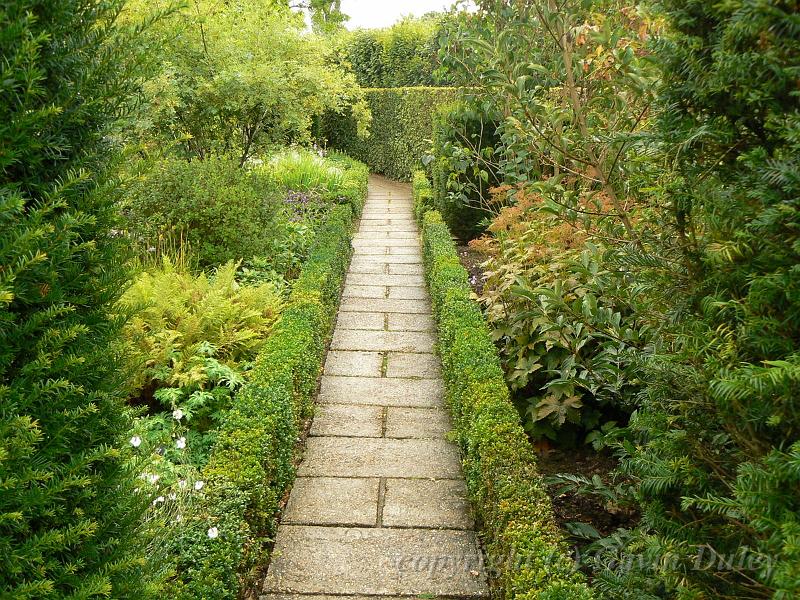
x=67 y=506
x=718 y=434
x=401 y=129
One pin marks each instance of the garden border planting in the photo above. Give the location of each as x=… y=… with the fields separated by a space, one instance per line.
x=527 y=555
x=253 y=463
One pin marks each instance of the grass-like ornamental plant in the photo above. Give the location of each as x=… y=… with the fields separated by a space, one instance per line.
x=527 y=554
x=302 y=171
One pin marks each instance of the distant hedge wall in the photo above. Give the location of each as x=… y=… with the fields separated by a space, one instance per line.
x=526 y=551
x=406 y=54
x=401 y=130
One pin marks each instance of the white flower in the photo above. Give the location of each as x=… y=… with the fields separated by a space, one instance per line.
x=173 y=496
x=178 y=518
x=213 y=533
x=158 y=500
x=153 y=478
x=198 y=485
x=180 y=443
x=177 y=414
x=136 y=441
x=182 y=483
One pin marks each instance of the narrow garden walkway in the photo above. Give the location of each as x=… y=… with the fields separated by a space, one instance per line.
x=379 y=507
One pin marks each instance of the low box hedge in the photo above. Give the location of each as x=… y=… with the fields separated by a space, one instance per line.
x=527 y=555
x=253 y=462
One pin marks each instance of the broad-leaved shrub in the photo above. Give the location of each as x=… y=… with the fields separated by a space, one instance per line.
x=218 y=209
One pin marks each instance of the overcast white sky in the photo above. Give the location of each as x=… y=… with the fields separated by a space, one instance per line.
x=382 y=13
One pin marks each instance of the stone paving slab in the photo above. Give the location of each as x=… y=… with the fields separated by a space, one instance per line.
x=393 y=260
x=364 y=291
x=329 y=597
x=354 y=364
x=421 y=365
x=386 y=280
x=372 y=226
x=369 y=268
x=409 y=307
x=424 y=393
x=340 y=560
x=417 y=422
x=384 y=341
x=391 y=235
x=398 y=269
x=407 y=292
x=347 y=420
x=361 y=320
x=404 y=251
x=333 y=501
x=402 y=322
x=382 y=239
x=360 y=251
x=380 y=457
x=440 y=504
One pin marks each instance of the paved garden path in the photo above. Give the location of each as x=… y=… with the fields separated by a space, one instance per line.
x=379 y=506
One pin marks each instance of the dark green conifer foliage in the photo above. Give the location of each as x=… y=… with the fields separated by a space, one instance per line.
x=67 y=506
x=718 y=458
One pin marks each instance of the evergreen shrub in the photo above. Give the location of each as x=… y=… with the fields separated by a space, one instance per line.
x=68 y=511
x=405 y=54
x=463 y=166
x=221 y=211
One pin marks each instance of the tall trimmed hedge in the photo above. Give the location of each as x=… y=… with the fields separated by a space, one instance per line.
x=400 y=133
x=68 y=511
x=406 y=54
x=526 y=551
x=253 y=462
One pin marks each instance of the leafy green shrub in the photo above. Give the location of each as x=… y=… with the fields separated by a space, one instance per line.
x=526 y=550
x=353 y=190
x=253 y=462
x=363 y=51
x=221 y=90
x=400 y=132
x=335 y=177
x=683 y=156
x=223 y=212
x=463 y=166
x=423 y=194
x=411 y=53
x=567 y=327
x=68 y=514
x=716 y=452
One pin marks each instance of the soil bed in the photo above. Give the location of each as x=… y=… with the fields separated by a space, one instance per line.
x=472 y=262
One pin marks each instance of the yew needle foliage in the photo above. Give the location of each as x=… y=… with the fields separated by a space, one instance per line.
x=67 y=509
